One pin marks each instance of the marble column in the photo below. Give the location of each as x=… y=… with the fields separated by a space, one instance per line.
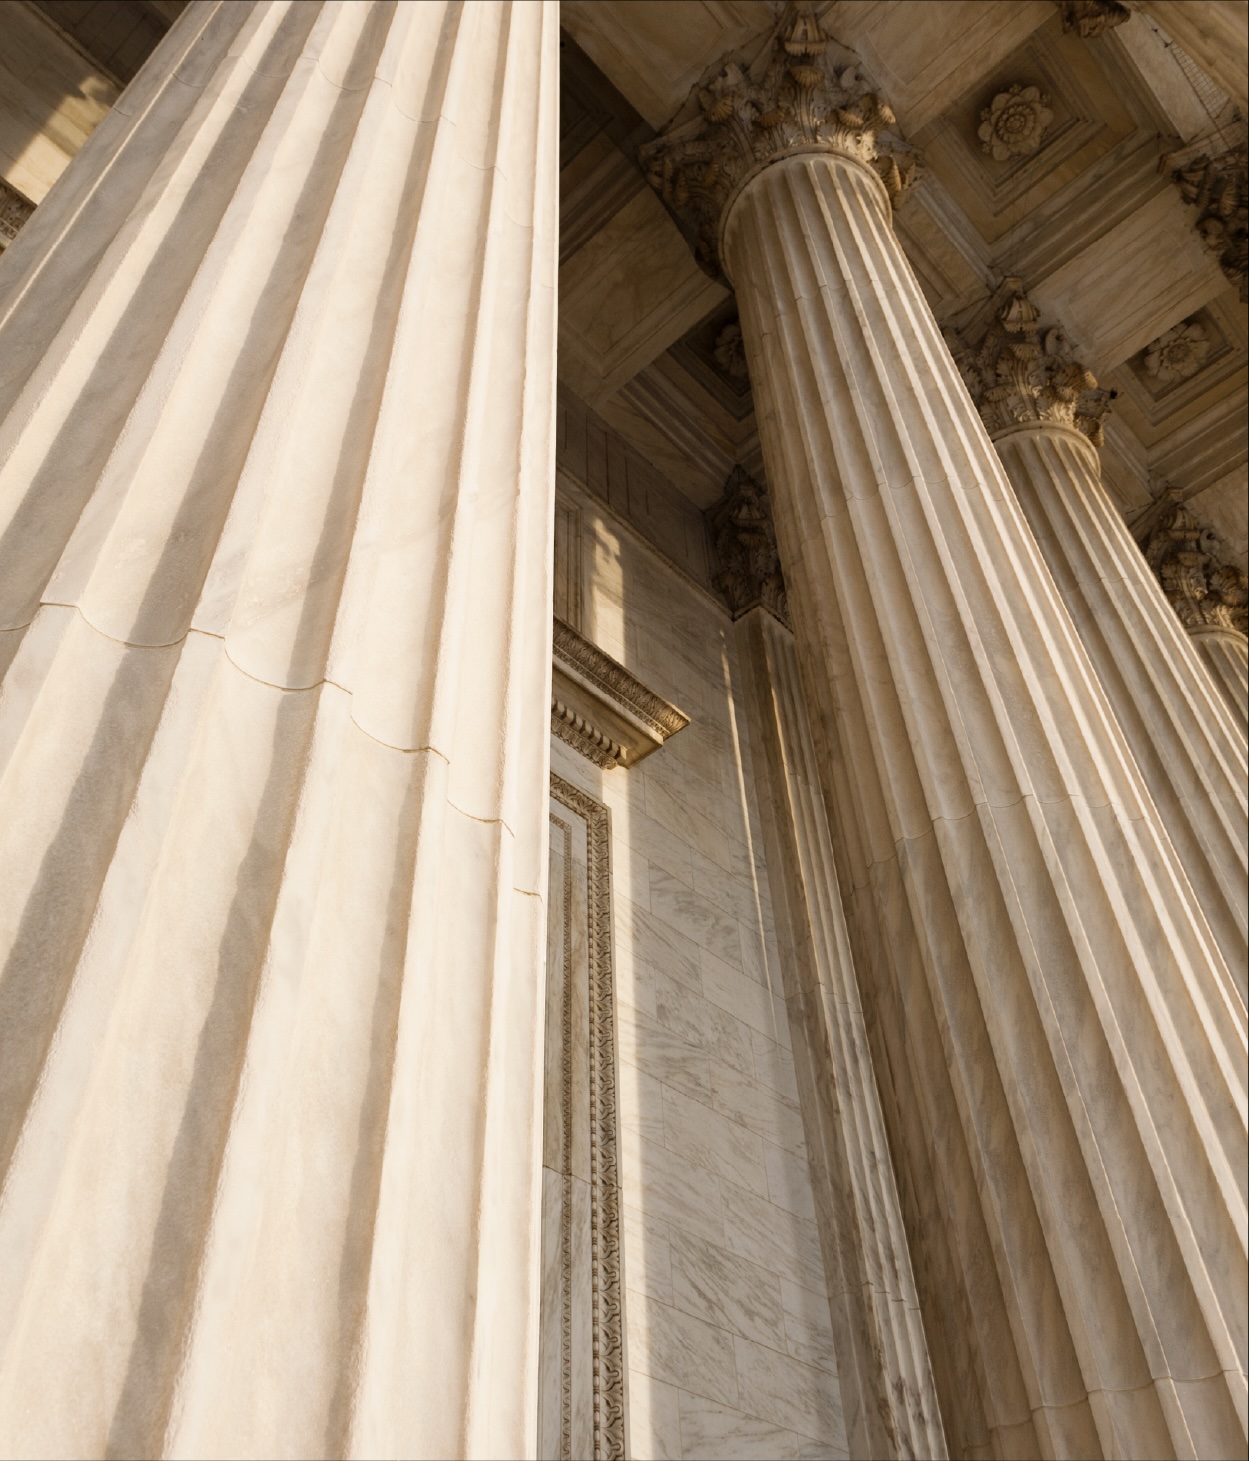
x=276 y=491
x=1058 y=1040
x=1210 y=596
x=1044 y=413
x=1226 y=652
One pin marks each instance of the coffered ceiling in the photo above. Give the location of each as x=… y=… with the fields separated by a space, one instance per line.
x=1046 y=156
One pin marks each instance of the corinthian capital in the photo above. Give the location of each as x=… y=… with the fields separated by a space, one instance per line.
x=741 y=530
x=1020 y=373
x=1205 y=591
x=805 y=93
x=1218 y=187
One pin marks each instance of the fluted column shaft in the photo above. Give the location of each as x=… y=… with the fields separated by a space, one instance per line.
x=887 y=1389
x=1174 y=718
x=275 y=511
x=1059 y=1040
x=1226 y=654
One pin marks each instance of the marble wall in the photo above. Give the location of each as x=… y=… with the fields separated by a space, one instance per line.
x=729 y=1343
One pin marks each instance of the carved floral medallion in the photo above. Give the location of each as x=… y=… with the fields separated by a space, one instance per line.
x=730 y=352
x=1015 y=122
x=1177 y=354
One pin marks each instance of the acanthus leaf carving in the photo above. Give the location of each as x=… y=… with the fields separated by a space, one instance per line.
x=1218 y=187
x=1204 y=590
x=1090 y=18
x=744 y=540
x=806 y=94
x=1021 y=372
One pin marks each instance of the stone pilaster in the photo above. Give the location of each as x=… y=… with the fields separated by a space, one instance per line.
x=887 y=1391
x=1210 y=597
x=275 y=500
x=1044 y=413
x=1059 y=1042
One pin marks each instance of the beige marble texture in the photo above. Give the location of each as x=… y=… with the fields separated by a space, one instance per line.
x=889 y=1398
x=720 y=1237
x=907 y=49
x=1226 y=654
x=1061 y=1054
x=1136 y=280
x=274 y=744
x=1215 y=34
x=626 y=296
x=1181 y=731
x=655 y=51
x=51 y=99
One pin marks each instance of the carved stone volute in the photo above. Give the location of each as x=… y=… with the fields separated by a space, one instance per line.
x=805 y=94
x=1204 y=590
x=1091 y=18
x=740 y=524
x=1218 y=187
x=1020 y=373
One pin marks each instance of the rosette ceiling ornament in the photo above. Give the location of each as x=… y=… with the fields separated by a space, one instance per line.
x=1015 y=122
x=803 y=94
x=1177 y=354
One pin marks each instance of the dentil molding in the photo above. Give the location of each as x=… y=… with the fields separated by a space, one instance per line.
x=600 y=709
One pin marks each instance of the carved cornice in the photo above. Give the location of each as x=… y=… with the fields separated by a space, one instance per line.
x=744 y=540
x=602 y=711
x=805 y=94
x=1089 y=18
x=1218 y=187
x=1204 y=590
x=1021 y=373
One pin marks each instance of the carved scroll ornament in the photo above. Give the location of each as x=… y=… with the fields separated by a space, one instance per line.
x=744 y=540
x=1021 y=373
x=1218 y=187
x=1205 y=591
x=806 y=94
x=1090 y=18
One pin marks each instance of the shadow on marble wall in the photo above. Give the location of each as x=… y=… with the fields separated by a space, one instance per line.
x=728 y=1332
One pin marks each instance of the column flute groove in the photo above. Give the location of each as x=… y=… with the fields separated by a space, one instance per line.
x=272 y=893
x=1044 y=413
x=1043 y=978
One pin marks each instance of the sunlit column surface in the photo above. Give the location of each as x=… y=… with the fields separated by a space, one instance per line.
x=1059 y=1042
x=275 y=425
